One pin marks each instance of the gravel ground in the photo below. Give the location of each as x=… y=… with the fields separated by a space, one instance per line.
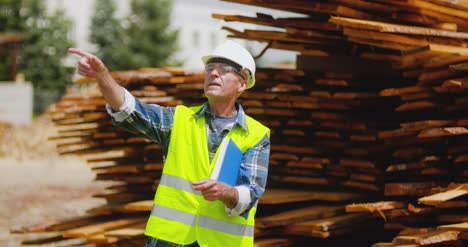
x=36 y=184
x=43 y=190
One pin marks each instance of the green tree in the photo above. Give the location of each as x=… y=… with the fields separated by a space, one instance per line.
x=9 y=22
x=10 y=14
x=149 y=40
x=43 y=49
x=107 y=34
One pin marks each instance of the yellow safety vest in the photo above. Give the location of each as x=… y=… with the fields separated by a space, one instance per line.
x=180 y=214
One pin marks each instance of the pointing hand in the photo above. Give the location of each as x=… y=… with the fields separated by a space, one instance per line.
x=89 y=65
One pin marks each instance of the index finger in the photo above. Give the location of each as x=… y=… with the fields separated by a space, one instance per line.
x=78 y=52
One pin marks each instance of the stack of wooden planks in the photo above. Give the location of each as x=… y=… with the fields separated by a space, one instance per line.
x=446 y=205
x=379 y=107
x=365 y=130
x=134 y=163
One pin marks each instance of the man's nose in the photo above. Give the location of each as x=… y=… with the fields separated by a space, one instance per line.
x=214 y=72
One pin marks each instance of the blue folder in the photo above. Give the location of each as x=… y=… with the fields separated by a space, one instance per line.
x=231 y=164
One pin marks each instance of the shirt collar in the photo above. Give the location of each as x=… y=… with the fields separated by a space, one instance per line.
x=240 y=120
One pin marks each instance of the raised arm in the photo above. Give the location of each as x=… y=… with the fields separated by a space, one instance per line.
x=91 y=66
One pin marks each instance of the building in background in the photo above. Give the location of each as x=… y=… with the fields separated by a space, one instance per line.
x=19 y=112
x=199 y=33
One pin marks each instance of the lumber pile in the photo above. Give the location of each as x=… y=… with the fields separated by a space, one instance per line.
x=378 y=109
x=368 y=131
x=447 y=206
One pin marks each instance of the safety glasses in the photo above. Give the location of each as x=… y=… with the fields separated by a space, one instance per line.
x=223 y=69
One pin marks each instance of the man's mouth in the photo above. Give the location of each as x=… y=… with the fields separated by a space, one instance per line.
x=214 y=84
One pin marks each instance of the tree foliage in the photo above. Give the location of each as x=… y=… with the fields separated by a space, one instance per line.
x=43 y=49
x=146 y=39
x=107 y=33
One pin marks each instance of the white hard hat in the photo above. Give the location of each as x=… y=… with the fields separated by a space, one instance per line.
x=236 y=53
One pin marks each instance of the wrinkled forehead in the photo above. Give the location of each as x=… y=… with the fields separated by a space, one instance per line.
x=225 y=61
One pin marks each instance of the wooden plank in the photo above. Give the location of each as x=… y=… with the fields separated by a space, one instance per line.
x=428 y=238
x=426 y=124
x=282 y=36
x=277 y=242
x=416 y=106
x=306 y=7
x=101 y=239
x=302 y=180
x=400 y=48
x=77 y=127
x=296 y=149
x=409 y=152
x=433 y=77
x=413 y=210
x=86 y=231
x=370 y=6
x=360 y=68
x=277 y=196
x=367 y=178
x=400 y=91
x=452 y=218
x=374 y=206
x=461 y=83
x=357 y=163
x=443 y=132
x=462 y=67
x=435 y=199
x=383 y=244
x=453 y=204
x=298 y=215
x=409 y=189
x=429 y=95
x=327 y=227
x=268 y=20
x=129 y=169
x=63 y=243
x=361 y=185
x=284 y=156
x=127 y=232
x=309 y=34
x=438 y=8
x=138 y=206
x=308 y=164
x=393 y=28
x=445 y=60
x=40 y=238
x=456 y=227
x=363 y=138
x=405 y=167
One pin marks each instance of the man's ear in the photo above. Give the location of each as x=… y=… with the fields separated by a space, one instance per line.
x=242 y=86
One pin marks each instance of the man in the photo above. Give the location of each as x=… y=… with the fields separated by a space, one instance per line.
x=190 y=209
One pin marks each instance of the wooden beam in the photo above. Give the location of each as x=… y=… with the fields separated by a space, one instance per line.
x=86 y=231
x=393 y=28
x=435 y=199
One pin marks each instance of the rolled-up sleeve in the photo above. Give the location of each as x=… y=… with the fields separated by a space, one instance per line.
x=151 y=121
x=253 y=176
x=125 y=110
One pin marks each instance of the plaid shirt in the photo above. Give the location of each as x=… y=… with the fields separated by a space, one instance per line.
x=155 y=123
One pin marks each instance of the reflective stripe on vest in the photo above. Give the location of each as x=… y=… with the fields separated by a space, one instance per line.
x=205 y=222
x=173 y=215
x=178 y=183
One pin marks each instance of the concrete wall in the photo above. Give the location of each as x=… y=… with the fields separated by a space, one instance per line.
x=16 y=103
